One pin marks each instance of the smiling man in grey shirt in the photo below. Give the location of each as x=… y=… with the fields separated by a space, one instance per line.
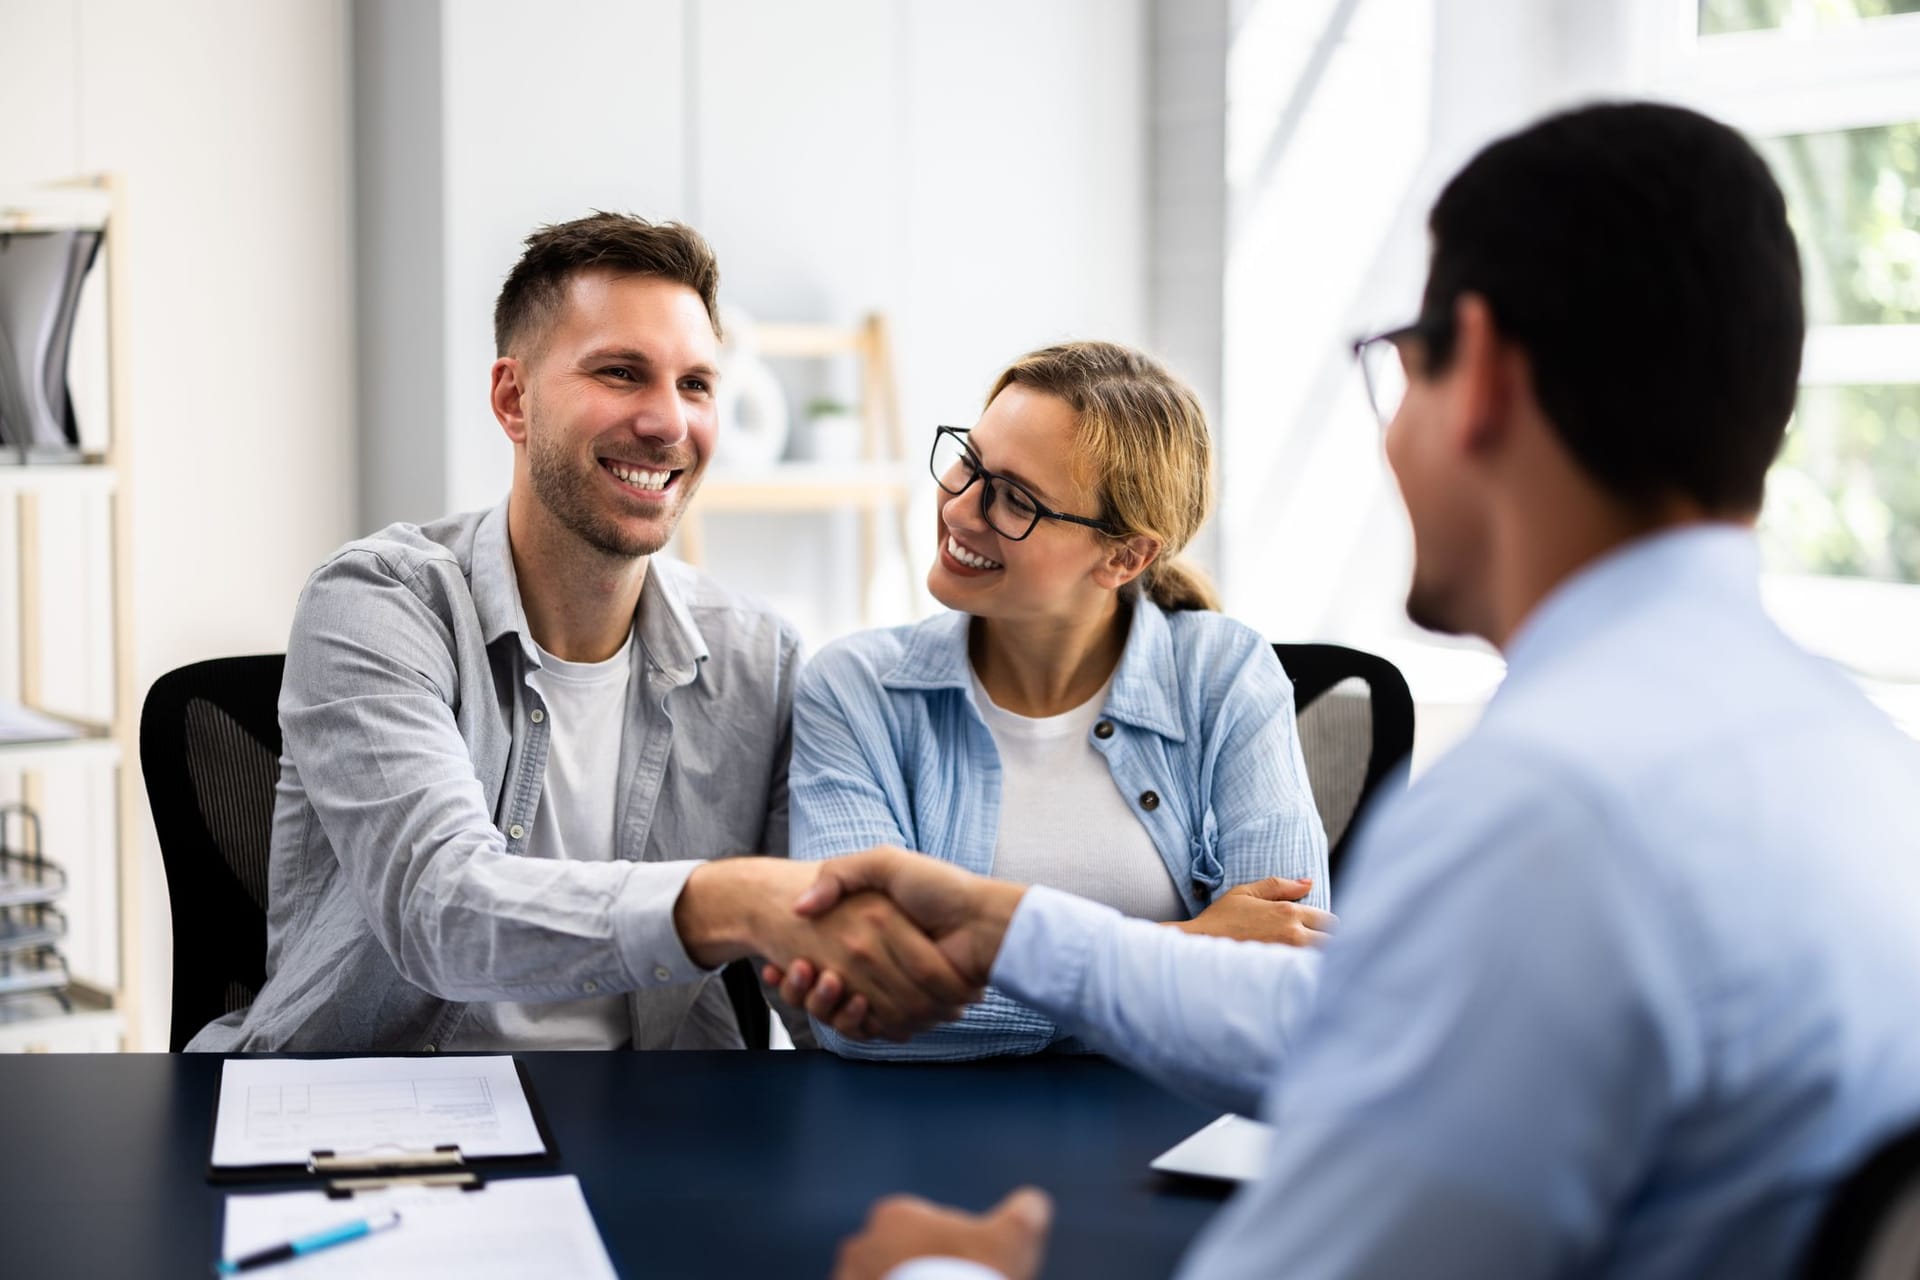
x=520 y=753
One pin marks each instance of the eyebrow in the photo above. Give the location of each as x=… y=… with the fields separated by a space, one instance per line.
x=1010 y=474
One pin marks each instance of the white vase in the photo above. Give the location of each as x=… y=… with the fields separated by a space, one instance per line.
x=750 y=405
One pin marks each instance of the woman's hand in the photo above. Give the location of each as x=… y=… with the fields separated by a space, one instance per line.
x=1267 y=910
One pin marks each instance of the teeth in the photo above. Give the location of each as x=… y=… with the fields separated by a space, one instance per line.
x=967 y=557
x=640 y=479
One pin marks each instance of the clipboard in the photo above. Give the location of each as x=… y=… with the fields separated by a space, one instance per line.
x=347 y=1168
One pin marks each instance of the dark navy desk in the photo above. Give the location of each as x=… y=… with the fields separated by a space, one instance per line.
x=735 y=1165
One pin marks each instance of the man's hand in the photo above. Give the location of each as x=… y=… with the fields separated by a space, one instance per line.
x=1011 y=1237
x=1264 y=911
x=737 y=907
x=965 y=915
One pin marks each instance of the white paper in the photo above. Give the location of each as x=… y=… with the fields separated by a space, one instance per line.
x=509 y=1229
x=281 y=1110
x=1232 y=1148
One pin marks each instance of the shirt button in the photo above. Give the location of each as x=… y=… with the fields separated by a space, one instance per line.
x=516 y=831
x=1149 y=800
x=661 y=973
x=589 y=986
x=432 y=1048
x=1104 y=729
x=538 y=715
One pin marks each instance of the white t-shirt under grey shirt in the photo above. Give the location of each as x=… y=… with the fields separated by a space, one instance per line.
x=1063 y=821
x=586 y=705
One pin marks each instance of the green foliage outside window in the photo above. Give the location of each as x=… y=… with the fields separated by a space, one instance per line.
x=1720 y=17
x=1845 y=495
x=1854 y=198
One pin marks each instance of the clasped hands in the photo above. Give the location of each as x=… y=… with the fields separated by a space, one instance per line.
x=905 y=941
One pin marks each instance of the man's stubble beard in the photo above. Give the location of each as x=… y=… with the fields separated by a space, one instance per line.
x=565 y=489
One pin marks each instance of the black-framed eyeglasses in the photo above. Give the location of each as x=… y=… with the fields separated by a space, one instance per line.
x=1008 y=507
x=1383 y=366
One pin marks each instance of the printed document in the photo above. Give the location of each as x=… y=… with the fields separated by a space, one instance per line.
x=282 y=1110
x=509 y=1229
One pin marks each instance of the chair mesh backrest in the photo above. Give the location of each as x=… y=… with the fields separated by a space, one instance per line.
x=233 y=775
x=1355 y=717
x=1336 y=739
x=210 y=751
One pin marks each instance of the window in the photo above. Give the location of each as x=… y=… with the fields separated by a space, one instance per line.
x=1829 y=90
x=1719 y=17
x=1844 y=498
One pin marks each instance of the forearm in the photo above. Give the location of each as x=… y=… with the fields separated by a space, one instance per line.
x=497 y=927
x=1292 y=846
x=1207 y=1016
x=463 y=917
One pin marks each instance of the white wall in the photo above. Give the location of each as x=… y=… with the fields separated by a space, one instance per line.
x=1345 y=118
x=229 y=121
x=975 y=171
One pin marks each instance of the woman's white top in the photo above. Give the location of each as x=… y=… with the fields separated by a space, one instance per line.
x=1063 y=821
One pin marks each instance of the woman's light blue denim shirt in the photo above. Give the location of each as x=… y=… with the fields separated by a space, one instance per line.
x=890 y=748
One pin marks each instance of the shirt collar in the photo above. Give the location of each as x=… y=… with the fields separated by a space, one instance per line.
x=935 y=657
x=667 y=630
x=496 y=589
x=1701 y=560
x=665 y=625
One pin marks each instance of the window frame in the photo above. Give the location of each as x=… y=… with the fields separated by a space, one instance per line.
x=1818 y=79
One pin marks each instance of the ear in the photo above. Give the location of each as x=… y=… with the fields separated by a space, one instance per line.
x=1481 y=378
x=508 y=395
x=1126 y=559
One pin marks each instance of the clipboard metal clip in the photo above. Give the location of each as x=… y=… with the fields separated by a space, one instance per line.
x=378 y=1170
x=386 y=1160
x=348 y=1188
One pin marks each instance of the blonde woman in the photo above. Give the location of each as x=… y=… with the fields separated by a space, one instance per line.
x=1083 y=718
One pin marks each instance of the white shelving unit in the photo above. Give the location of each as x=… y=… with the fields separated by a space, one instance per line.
x=102 y=1016
x=878 y=485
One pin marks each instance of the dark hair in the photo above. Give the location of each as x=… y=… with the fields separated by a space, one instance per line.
x=1641 y=256
x=614 y=242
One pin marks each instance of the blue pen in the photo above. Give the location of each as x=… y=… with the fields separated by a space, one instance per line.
x=308 y=1244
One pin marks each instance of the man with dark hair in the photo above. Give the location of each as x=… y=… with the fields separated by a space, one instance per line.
x=1623 y=983
x=521 y=752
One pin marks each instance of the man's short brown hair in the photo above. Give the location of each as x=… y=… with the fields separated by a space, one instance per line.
x=616 y=242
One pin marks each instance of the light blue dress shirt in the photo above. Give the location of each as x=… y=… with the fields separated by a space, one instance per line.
x=1198 y=730
x=1624 y=985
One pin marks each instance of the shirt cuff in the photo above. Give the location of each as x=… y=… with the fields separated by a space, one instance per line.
x=1049 y=942
x=643 y=931
x=943 y=1269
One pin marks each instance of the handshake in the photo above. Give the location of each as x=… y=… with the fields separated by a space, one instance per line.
x=886 y=943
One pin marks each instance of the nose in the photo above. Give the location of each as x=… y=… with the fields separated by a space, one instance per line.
x=661 y=418
x=962 y=510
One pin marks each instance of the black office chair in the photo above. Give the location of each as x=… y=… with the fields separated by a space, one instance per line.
x=1356 y=745
x=1871 y=1228
x=210 y=749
